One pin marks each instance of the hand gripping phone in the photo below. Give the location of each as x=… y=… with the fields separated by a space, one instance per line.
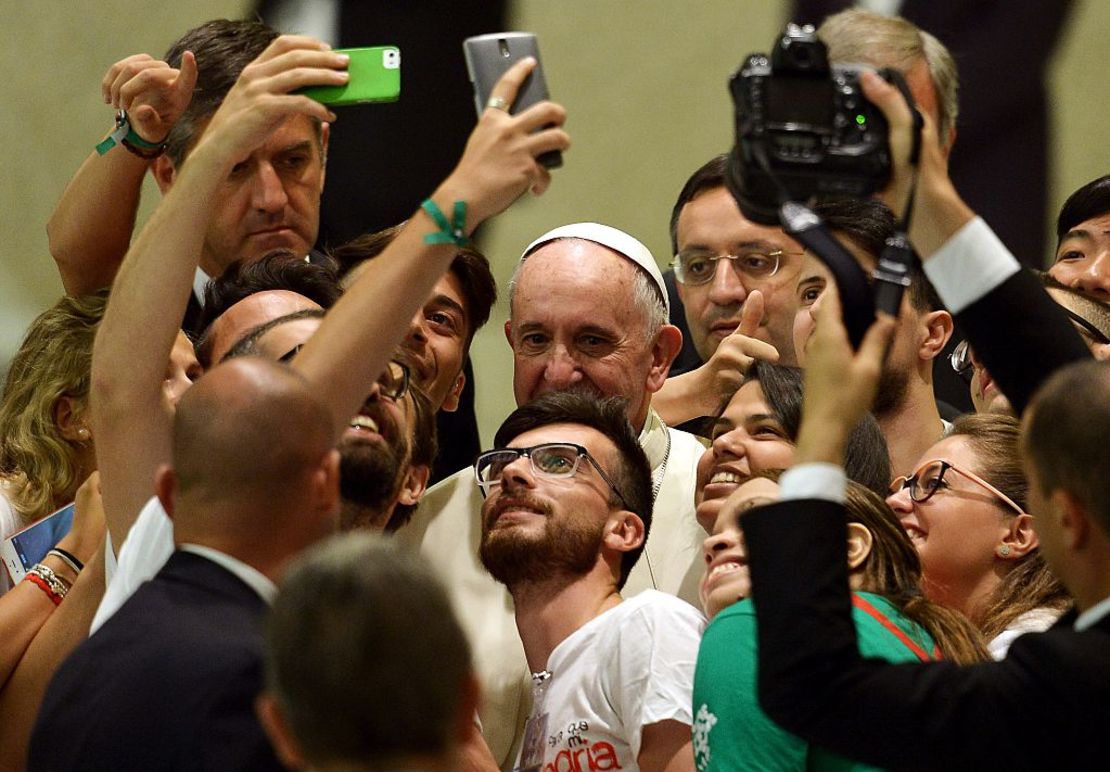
x=487 y=59
x=375 y=77
x=29 y=546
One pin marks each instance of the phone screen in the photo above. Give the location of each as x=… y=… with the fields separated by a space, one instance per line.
x=30 y=545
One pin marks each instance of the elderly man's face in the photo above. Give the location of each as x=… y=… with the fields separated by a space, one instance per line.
x=575 y=324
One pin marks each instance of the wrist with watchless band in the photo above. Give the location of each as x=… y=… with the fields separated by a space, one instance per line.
x=125 y=135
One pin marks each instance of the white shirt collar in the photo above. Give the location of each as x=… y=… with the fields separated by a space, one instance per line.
x=200 y=279
x=250 y=576
x=1093 y=615
x=653 y=439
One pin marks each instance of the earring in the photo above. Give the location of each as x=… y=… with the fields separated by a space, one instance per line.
x=1004 y=551
x=83 y=433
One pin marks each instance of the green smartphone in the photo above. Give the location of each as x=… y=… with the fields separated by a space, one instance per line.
x=375 y=77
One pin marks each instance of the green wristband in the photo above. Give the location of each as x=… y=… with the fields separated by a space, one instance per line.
x=453 y=232
x=124 y=135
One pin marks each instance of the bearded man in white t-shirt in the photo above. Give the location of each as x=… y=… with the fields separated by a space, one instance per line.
x=566 y=515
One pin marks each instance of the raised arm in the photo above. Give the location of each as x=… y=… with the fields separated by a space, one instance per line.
x=360 y=332
x=812 y=679
x=91 y=227
x=131 y=415
x=1016 y=328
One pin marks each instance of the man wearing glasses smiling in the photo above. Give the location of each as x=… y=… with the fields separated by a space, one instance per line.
x=566 y=514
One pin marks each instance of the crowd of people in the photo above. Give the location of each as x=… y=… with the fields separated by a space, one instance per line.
x=273 y=565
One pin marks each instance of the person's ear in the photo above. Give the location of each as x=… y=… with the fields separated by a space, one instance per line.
x=69 y=417
x=624 y=531
x=1073 y=519
x=165 y=487
x=938 y=327
x=859 y=545
x=164 y=173
x=1019 y=540
x=414 y=484
x=509 y=333
x=285 y=744
x=451 y=401
x=667 y=344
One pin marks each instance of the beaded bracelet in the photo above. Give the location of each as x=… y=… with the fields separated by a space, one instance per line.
x=47 y=581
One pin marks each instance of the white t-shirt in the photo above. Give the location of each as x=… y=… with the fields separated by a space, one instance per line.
x=446 y=529
x=628 y=668
x=146 y=549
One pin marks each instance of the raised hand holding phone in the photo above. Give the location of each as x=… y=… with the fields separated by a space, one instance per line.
x=488 y=58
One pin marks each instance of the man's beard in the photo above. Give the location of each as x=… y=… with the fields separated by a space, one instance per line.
x=567 y=549
x=893 y=385
x=369 y=476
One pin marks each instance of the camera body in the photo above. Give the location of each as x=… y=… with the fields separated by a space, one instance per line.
x=804 y=124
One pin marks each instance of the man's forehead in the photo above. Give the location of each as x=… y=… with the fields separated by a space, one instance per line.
x=252 y=311
x=279 y=340
x=448 y=293
x=586 y=436
x=712 y=216
x=295 y=131
x=567 y=268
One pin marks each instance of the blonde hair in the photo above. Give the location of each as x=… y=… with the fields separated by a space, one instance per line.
x=38 y=465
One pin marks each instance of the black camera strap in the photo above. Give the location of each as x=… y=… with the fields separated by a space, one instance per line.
x=856 y=295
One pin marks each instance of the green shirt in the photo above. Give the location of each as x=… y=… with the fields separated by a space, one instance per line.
x=731 y=732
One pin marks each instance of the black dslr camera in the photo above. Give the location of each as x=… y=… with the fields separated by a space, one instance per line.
x=803 y=128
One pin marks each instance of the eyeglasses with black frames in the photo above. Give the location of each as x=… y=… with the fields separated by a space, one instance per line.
x=558 y=460
x=929 y=478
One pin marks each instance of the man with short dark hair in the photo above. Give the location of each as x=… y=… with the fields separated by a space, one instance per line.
x=587 y=311
x=439 y=340
x=342 y=627
x=906 y=405
x=1083 y=240
x=170 y=681
x=567 y=512
x=271 y=201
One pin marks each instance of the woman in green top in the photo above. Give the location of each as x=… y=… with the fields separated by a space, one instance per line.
x=893 y=621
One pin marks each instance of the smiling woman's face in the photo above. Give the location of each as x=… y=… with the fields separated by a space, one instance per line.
x=748 y=439
x=956 y=530
x=726 y=578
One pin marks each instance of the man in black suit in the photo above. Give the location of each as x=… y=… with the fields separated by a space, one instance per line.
x=169 y=682
x=1044 y=706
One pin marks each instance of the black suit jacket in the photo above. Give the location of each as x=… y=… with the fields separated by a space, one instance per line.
x=1021 y=335
x=168 y=683
x=1046 y=706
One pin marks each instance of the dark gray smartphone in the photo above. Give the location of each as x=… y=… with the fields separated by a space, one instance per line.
x=487 y=59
